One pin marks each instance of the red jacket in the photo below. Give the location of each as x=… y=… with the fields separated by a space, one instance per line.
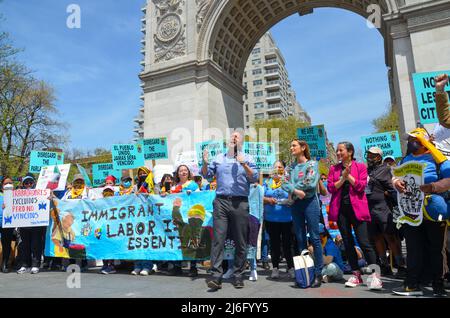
x=357 y=192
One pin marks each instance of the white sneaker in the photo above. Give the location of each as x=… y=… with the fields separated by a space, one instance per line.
x=275 y=273
x=154 y=268
x=145 y=272
x=22 y=270
x=35 y=270
x=374 y=282
x=228 y=274
x=253 y=276
x=291 y=273
x=136 y=272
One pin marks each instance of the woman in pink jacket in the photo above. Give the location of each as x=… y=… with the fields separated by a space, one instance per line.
x=347 y=182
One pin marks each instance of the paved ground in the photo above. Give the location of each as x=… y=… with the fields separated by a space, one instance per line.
x=124 y=285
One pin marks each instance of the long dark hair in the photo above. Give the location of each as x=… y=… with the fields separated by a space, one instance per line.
x=307 y=152
x=177 y=177
x=165 y=176
x=349 y=146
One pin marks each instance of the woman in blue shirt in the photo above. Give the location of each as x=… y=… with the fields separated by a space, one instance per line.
x=278 y=220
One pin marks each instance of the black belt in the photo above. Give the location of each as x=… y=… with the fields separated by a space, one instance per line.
x=232 y=197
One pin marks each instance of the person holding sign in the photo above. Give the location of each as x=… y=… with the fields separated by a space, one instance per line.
x=6 y=233
x=278 y=220
x=442 y=105
x=126 y=185
x=32 y=240
x=425 y=242
x=145 y=185
x=184 y=183
x=382 y=228
x=347 y=182
x=235 y=172
x=79 y=190
x=301 y=184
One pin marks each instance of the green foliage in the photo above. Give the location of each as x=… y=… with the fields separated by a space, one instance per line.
x=387 y=122
x=287 y=129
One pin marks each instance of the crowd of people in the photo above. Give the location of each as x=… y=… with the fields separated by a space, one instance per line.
x=345 y=218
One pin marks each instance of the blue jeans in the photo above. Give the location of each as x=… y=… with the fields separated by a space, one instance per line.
x=143 y=265
x=306 y=217
x=265 y=246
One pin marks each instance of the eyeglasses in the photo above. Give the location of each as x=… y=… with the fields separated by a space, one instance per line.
x=323 y=179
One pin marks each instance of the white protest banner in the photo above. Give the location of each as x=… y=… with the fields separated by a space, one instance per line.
x=53 y=177
x=411 y=202
x=26 y=208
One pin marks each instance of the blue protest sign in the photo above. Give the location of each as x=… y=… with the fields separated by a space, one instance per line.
x=39 y=159
x=127 y=156
x=316 y=138
x=263 y=154
x=388 y=142
x=133 y=227
x=101 y=171
x=155 y=148
x=214 y=148
x=424 y=85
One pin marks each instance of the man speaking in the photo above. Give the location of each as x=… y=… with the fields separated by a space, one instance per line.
x=234 y=172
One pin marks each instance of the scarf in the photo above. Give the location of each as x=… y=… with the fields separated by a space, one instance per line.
x=125 y=191
x=275 y=184
x=74 y=194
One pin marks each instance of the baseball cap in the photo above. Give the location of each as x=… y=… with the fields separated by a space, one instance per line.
x=376 y=151
x=389 y=157
x=77 y=177
x=27 y=178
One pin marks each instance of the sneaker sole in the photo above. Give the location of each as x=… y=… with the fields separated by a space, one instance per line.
x=213 y=285
x=408 y=294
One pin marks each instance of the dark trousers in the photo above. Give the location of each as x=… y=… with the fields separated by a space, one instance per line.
x=346 y=220
x=424 y=244
x=31 y=246
x=230 y=215
x=7 y=238
x=280 y=236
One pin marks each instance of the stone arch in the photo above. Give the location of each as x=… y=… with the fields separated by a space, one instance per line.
x=232 y=28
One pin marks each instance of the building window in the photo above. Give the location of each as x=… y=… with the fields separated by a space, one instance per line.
x=257 y=71
x=259 y=105
x=247 y=118
x=256 y=61
x=246 y=107
x=259 y=116
x=256 y=51
x=258 y=94
x=257 y=82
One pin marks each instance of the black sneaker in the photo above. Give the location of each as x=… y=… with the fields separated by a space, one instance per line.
x=214 y=284
x=317 y=281
x=266 y=265
x=401 y=273
x=193 y=272
x=408 y=291
x=175 y=271
x=439 y=291
x=386 y=270
x=238 y=283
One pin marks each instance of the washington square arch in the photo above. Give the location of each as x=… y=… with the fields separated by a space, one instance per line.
x=196 y=52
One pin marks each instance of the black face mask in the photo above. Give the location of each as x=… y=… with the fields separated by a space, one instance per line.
x=142 y=178
x=413 y=146
x=372 y=163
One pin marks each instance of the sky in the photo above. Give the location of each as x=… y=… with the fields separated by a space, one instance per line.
x=335 y=62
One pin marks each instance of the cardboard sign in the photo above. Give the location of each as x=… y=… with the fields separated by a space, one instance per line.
x=424 y=85
x=388 y=142
x=39 y=159
x=316 y=138
x=101 y=171
x=263 y=154
x=127 y=156
x=155 y=148
x=26 y=208
x=53 y=178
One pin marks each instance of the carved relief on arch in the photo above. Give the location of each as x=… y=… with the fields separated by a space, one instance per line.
x=169 y=37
